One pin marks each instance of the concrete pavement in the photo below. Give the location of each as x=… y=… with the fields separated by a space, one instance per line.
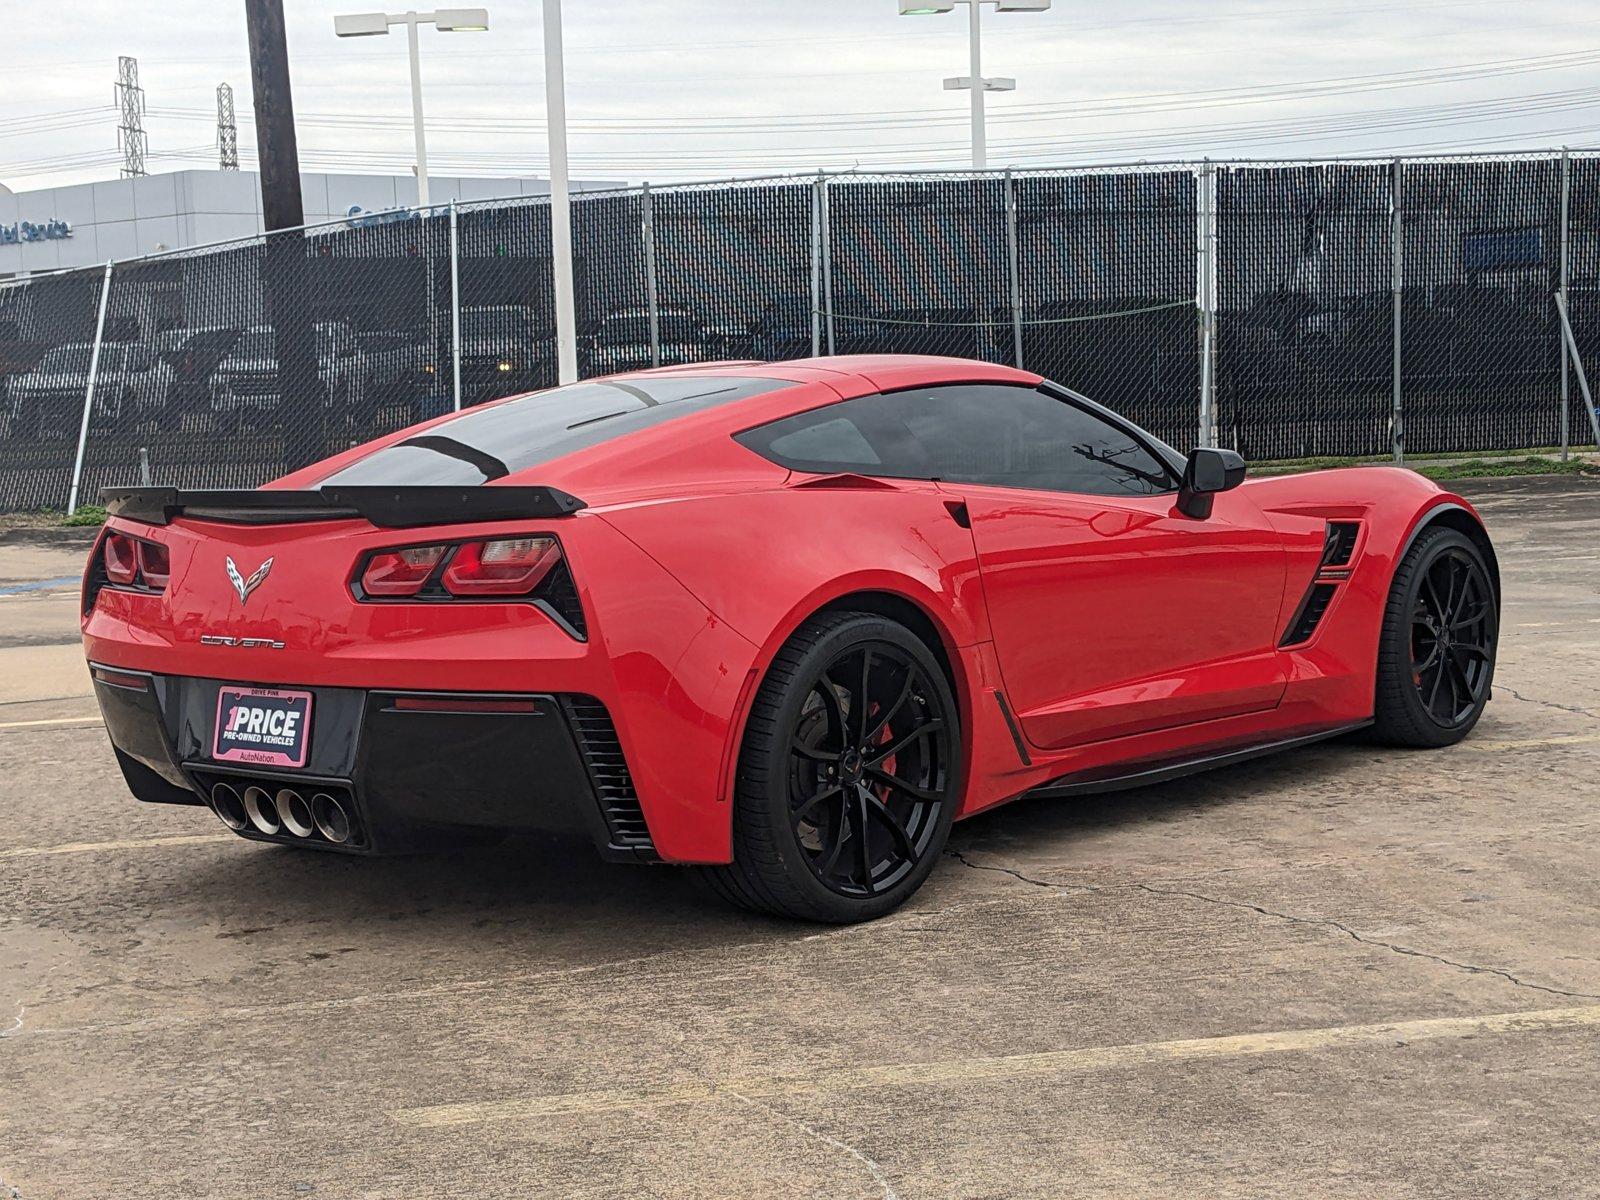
x=1351 y=971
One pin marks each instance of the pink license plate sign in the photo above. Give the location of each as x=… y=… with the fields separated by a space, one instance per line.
x=263 y=725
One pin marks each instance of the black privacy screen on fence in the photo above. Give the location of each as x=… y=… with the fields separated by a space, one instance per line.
x=229 y=365
x=1107 y=267
x=918 y=266
x=1304 y=352
x=1480 y=337
x=47 y=333
x=733 y=274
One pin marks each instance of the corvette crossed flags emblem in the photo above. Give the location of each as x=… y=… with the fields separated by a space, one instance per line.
x=245 y=586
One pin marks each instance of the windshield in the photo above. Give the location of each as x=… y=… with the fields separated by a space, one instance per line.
x=492 y=442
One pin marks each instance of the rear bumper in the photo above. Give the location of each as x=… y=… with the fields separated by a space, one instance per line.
x=528 y=763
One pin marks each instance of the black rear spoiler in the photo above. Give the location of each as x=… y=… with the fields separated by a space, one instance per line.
x=387 y=507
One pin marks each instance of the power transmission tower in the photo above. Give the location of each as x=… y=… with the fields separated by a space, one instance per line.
x=130 y=104
x=227 y=132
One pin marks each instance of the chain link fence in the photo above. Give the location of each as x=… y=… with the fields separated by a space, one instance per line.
x=1285 y=309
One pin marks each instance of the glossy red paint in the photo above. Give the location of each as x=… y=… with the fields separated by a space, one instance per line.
x=1118 y=630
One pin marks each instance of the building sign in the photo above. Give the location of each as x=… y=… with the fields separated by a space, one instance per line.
x=53 y=230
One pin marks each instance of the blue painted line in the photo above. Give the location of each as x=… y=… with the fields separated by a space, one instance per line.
x=18 y=588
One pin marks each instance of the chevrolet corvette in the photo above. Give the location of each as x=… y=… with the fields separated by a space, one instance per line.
x=783 y=622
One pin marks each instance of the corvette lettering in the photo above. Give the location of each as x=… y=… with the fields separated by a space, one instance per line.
x=217 y=639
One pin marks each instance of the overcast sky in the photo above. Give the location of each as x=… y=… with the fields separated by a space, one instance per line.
x=700 y=89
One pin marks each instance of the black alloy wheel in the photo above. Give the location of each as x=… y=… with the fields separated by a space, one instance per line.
x=1437 y=649
x=849 y=775
x=868 y=769
x=1452 y=637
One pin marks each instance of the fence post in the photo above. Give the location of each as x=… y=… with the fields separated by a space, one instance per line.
x=1396 y=273
x=647 y=231
x=1014 y=269
x=1205 y=286
x=88 y=392
x=827 y=259
x=1566 y=243
x=455 y=308
x=1577 y=362
x=816 y=266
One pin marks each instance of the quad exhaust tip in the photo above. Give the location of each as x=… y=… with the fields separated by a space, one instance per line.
x=262 y=811
x=332 y=821
x=287 y=811
x=294 y=811
x=225 y=802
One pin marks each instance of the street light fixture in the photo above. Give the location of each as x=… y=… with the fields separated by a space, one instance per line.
x=446 y=20
x=974 y=82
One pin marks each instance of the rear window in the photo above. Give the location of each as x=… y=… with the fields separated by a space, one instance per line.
x=489 y=443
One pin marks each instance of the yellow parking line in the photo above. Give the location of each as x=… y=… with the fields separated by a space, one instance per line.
x=1571 y=739
x=50 y=721
x=1004 y=1067
x=188 y=839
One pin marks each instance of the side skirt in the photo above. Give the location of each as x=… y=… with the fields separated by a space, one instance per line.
x=1070 y=785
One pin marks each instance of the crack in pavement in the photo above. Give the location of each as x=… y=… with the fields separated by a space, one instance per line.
x=1571 y=708
x=1324 y=922
x=1054 y=887
x=1330 y=923
x=872 y=1167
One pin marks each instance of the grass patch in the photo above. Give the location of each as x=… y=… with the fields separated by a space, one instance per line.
x=87 y=514
x=1446 y=466
x=1318 y=464
x=1477 y=468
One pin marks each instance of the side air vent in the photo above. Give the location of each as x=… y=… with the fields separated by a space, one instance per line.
x=561 y=594
x=1340 y=544
x=613 y=784
x=1310 y=614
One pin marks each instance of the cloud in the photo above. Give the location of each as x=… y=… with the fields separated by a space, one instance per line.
x=666 y=89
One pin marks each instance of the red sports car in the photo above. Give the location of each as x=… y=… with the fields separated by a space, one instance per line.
x=783 y=620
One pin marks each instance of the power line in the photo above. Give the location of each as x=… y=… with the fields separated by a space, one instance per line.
x=1253 y=94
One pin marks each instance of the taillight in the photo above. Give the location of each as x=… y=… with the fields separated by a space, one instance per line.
x=129 y=563
x=155 y=564
x=531 y=569
x=504 y=567
x=121 y=559
x=400 y=572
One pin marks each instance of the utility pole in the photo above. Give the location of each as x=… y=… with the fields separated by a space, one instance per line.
x=302 y=403
x=227 y=130
x=275 y=141
x=130 y=106
x=555 y=103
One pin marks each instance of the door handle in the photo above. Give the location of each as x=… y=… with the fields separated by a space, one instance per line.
x=958 y=513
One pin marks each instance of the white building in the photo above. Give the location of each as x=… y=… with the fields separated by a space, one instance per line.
x=86 y=224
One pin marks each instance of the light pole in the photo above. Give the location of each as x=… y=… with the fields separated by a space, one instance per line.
x=555 y=104
x=974 y=81
x=446 y=20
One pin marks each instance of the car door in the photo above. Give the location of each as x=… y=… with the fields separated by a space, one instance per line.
x=1112 y=614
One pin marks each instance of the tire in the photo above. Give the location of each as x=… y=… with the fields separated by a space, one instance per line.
x=812 y=774
x=1436 y=653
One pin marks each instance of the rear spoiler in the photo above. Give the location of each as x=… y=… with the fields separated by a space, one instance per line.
x=387 y=507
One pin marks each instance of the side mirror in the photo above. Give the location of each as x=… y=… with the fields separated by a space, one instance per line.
x=1208 y=472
